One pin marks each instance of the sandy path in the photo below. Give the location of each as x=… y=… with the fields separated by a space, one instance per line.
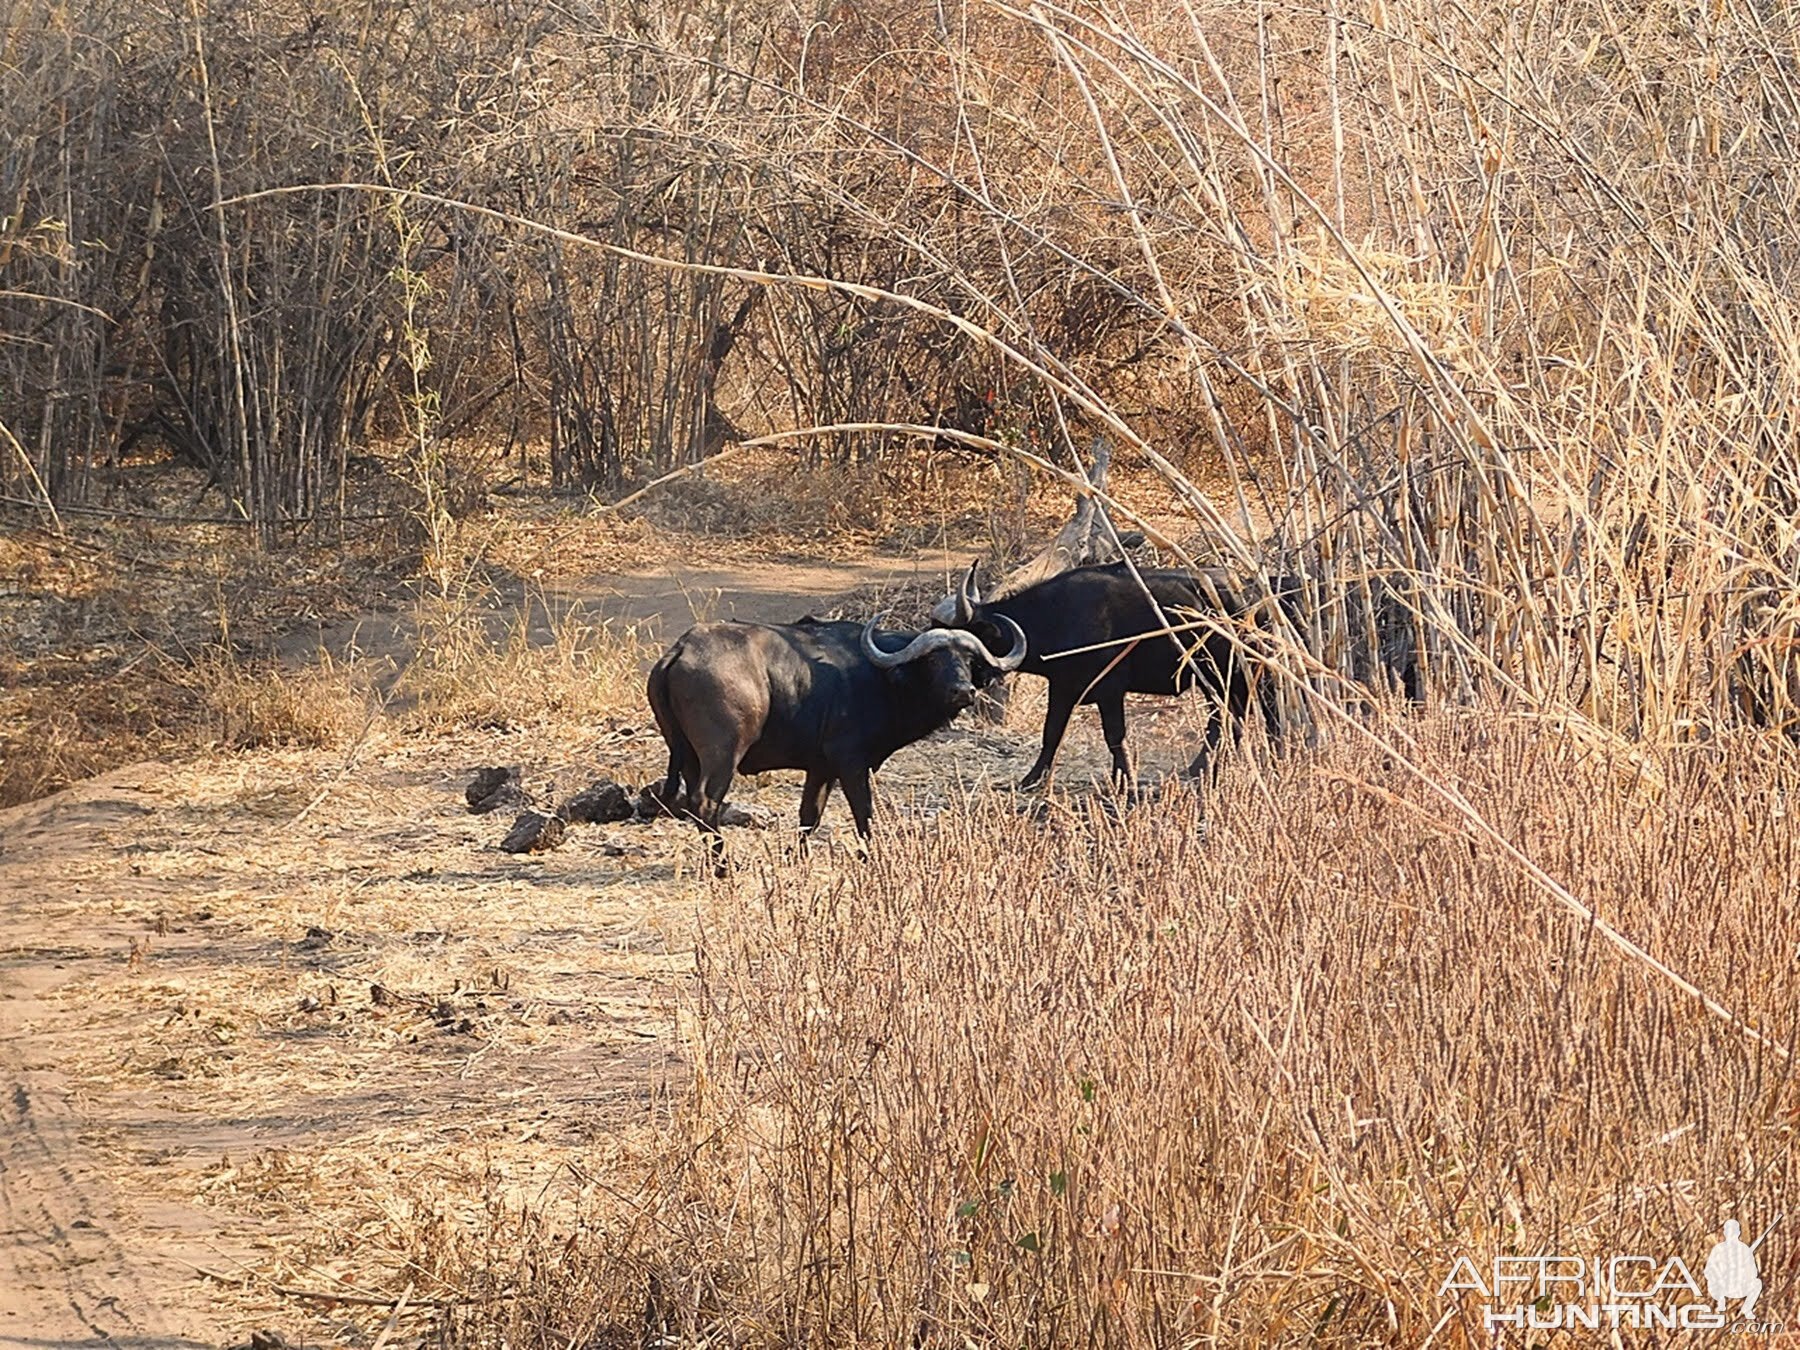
x=661 y=602
x=65 y=1278
x=241 y=1051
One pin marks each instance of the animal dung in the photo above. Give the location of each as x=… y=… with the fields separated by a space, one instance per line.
x=601 y=803
x=493 y=788
x=650 y=803
x=755 y=817
x=533 y=832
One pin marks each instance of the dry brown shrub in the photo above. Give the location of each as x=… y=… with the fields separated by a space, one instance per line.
x=57 y=731
x=321 y=705
x=477 y=666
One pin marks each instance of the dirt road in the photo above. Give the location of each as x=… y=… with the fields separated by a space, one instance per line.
x=660 y=602
x=245 y=1046
x=66 y=1277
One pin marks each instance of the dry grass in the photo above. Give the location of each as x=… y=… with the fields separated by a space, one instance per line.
x=545 y=661
x=324 y=705
x=140 y=635
x=773 y=502
x=1248 y=1075
x=1490 y=312
x=56 y=731
x=769 y=503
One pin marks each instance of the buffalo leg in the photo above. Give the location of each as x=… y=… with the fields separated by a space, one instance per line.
x=709 y=806
x=1237 y=701
x=1268 y=697
x=682 y=764
x=861 y=798
x=1215 y=732
x=812 y=800
x=1112 y=724
x=1230 y=702
x=1229 y=711
x=1056 y=722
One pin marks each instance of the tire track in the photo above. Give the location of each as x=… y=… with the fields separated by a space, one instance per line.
x=62 y=1276
x=65 y=1279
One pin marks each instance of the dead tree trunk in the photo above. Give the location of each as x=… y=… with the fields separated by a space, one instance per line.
x=1083 y=540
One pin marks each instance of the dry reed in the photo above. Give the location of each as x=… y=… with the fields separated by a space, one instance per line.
x=1253 y=1074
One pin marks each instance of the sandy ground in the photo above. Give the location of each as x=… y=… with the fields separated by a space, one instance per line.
x=272 y=1024
x=227 y=1027
x=659 y=602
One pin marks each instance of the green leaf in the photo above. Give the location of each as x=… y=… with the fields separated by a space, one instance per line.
x=1088 y=1088
x=1029 y=1242
x=966 y=1210
x=1059 y=1182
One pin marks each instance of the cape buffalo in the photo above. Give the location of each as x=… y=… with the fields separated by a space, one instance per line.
x=1088 y=606
x=835 y=699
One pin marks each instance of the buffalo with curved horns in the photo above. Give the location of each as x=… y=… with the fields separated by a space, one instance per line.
x=1107 y=610
x=835 y=699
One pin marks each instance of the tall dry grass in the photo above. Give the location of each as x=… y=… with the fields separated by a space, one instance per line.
x=478 y=666
x=465 y=661
x=322 y=704
x=1248 y=1073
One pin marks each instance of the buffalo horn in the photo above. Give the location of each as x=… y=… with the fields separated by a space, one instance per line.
x=1014 y=658
x=935 y=639
x=958 y=607
x=969 y=599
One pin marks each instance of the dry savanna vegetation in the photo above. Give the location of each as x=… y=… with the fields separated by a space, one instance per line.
x=1484 y=322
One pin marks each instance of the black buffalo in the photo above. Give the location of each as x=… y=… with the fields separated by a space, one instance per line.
x=1090 y=606
x=835 y=699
